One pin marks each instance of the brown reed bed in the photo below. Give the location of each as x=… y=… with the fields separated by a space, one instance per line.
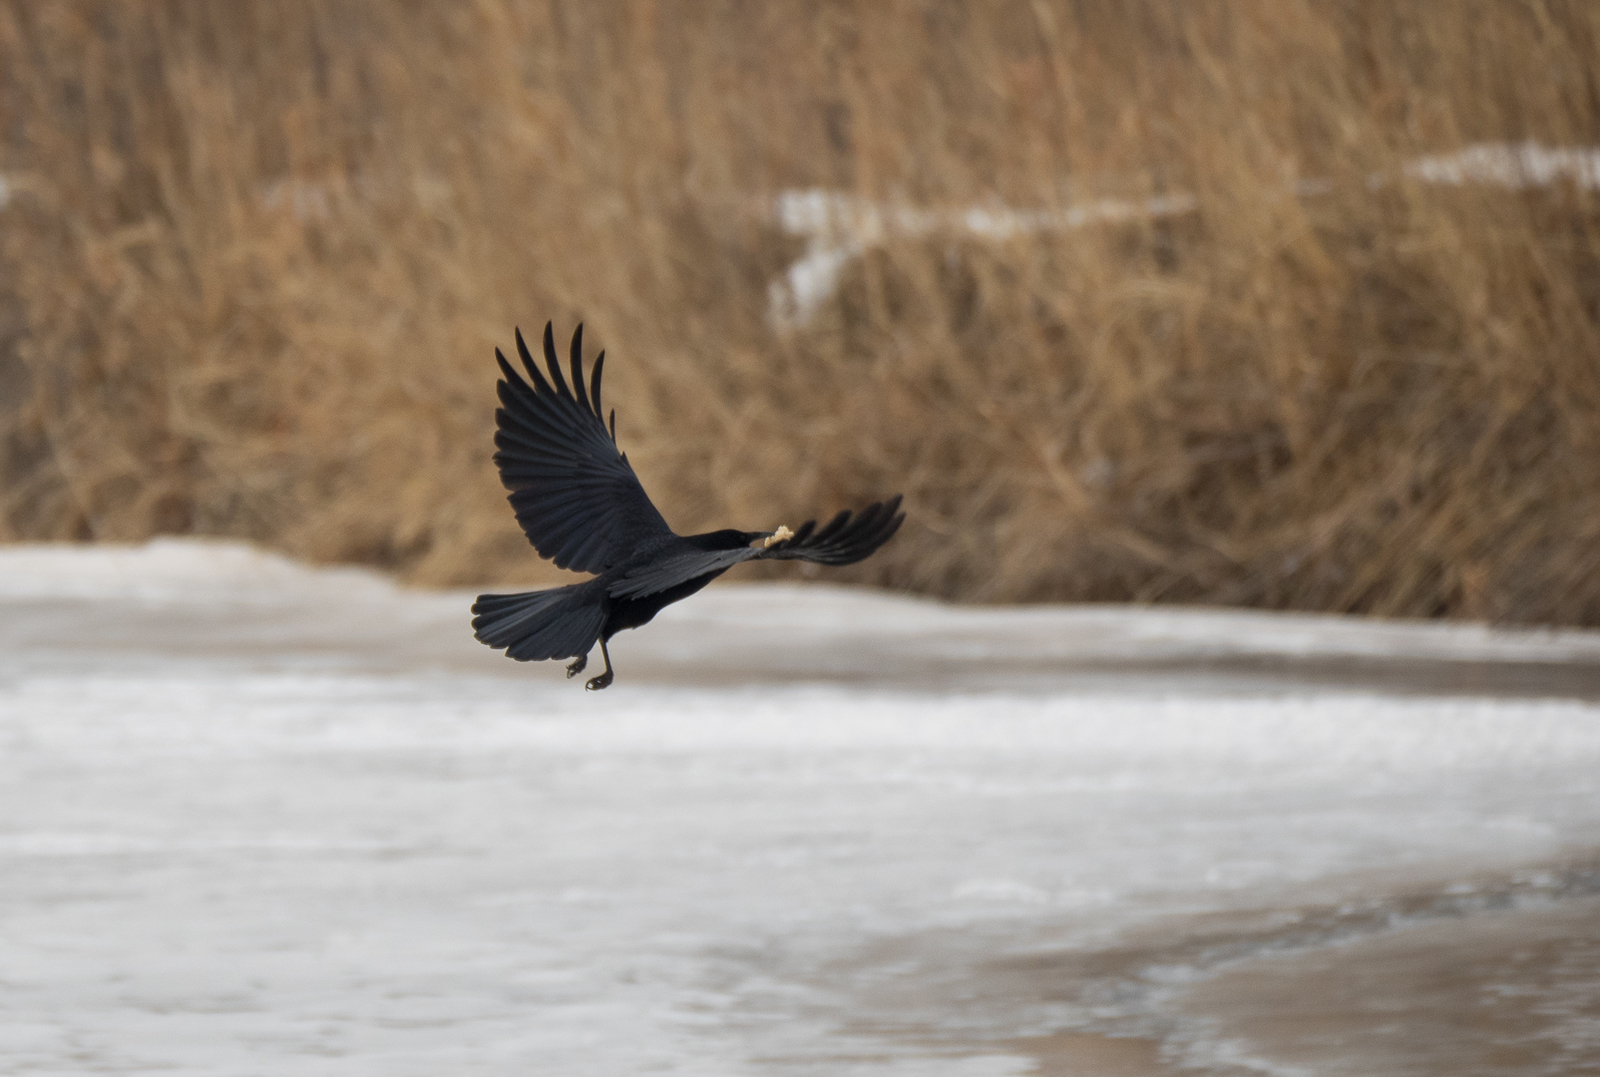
x=254 y=259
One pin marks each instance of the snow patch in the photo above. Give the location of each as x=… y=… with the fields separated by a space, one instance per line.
x=839 y=227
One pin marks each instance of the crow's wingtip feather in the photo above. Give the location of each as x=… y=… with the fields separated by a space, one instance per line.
x=557 y=379
x=581 y=391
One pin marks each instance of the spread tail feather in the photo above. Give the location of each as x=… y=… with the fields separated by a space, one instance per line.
x=563 y=622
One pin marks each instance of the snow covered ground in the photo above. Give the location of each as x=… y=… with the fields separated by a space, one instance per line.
x=257 y=818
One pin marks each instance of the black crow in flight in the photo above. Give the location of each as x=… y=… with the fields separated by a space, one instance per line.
x=582 y=507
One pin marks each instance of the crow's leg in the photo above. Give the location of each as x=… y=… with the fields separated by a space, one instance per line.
x=577 y=666
x=597 y=683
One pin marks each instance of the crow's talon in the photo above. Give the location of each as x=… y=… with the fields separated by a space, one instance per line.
x=597 y=683
x=577 y=666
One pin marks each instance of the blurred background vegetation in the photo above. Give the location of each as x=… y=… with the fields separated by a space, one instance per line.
x=1286 y=304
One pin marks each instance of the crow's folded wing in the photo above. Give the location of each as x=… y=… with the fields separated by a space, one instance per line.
x=846 y=539
x=574 y=493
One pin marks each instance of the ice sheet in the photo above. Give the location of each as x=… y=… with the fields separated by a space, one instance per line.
x=260 y=818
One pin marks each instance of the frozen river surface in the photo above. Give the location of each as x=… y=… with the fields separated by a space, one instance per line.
x=257 y=818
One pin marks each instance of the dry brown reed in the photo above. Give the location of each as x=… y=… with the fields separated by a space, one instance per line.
x=254 y=259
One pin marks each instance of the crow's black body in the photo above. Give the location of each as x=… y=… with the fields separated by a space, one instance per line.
x=581 y=505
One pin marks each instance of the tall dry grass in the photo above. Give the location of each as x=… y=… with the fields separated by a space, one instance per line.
x=254 y=260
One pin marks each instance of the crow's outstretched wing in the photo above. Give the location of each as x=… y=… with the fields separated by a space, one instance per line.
x=844 y=540
x=574 y=493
